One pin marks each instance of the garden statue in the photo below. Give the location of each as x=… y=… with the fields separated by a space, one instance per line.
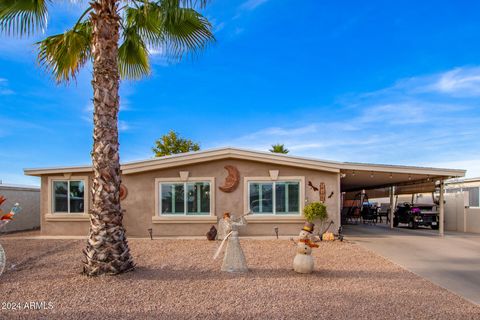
x=212 y=233
x=303 y=261
x=4 y=220
x=234 y=259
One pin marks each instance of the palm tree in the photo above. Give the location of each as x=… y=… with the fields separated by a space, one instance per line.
x=279 y=148
x=116 y=35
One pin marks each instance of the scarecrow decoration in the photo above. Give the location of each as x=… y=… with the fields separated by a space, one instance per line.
x=234 y=259
x=303 y=261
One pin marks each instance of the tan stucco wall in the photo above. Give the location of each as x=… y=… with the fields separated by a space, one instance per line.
x=140 y=202
x=61 y=228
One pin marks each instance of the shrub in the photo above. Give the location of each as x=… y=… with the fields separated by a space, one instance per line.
x=315 y=211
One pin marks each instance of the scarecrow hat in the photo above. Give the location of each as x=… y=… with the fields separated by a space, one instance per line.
x=308 y=226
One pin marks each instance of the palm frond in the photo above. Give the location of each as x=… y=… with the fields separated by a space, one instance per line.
x=23 y=17
x=64 y=54
x=184 y=3
x=166 y=25
x=183 y=30
x=133 y=60
x=194 y=3
x=146 y=19
x=186 y=31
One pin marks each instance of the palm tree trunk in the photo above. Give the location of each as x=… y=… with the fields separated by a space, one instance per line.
x=107 y=249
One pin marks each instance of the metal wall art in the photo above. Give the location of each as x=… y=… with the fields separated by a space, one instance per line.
x=232 y=180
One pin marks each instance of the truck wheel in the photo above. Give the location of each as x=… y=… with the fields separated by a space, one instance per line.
x=395 y=222
x=435 y=227
x=411 y=224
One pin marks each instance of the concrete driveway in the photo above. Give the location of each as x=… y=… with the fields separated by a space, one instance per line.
x=452 y=261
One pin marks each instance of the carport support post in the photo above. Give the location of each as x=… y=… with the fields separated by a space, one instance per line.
x=441 y=208
x=392 y=205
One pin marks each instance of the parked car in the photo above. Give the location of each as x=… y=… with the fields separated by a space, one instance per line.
x=416 y=215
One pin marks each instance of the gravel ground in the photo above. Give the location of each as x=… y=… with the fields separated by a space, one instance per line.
x=178 y=279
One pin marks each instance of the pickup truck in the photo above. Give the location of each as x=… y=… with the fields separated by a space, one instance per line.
x=416 y=215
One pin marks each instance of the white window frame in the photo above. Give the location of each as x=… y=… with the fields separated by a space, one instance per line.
x=51 y=195
x=158 y=196
x=246 y=192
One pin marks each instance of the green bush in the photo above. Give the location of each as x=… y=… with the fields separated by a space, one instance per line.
x=315 y=211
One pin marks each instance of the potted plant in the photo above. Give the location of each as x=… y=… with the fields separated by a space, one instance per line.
x=315 y=211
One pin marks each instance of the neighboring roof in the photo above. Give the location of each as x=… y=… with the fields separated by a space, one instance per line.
x=462 y=180
x=236 y=153
x=18 y=187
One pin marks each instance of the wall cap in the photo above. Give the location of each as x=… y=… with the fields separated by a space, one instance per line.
x=184 y=219
x=67 y=217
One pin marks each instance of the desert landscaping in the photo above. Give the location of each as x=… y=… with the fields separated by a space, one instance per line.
x=179 y=279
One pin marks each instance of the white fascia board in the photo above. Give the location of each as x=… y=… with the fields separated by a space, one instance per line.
x=404 y=169
x=55 y=170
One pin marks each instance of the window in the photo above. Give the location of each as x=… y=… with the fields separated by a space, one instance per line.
x=185 y=198
x=68 y=196
x=473 y=195
x=278 y=197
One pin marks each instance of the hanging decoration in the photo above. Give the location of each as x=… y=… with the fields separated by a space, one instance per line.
x=123 y=192
x=322 y=192
x=232 y=180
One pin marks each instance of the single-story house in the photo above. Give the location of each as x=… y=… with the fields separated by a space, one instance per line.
x=185 y=194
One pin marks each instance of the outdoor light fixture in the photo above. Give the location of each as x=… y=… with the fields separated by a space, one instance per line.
x=371 y=175
x=409 y=177
x=353 y=173
x=391 y=176
x=150 y=231
x=276 y=231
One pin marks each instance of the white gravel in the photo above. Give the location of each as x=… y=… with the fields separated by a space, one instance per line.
x=177 y=279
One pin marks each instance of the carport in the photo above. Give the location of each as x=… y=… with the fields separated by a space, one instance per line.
x=388 y=181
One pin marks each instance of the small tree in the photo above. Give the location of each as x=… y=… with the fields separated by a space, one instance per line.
x=315 y=211
x=172 y=143
x=279 y=148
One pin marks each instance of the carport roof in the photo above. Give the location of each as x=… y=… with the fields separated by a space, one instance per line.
x=355 y=176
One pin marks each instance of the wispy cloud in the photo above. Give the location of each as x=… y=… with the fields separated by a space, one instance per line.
x=252 y=4
x=10 y=126
x=4 y=89
x=401 y=124
x=217 y=27
x=123 y=126
x=161 y=57
x=155 y=51
x=461 y=82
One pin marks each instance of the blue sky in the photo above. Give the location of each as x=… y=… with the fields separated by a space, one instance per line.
x=366 y=81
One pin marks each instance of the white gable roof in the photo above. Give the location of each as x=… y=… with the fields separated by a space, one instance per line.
x=260 y=156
